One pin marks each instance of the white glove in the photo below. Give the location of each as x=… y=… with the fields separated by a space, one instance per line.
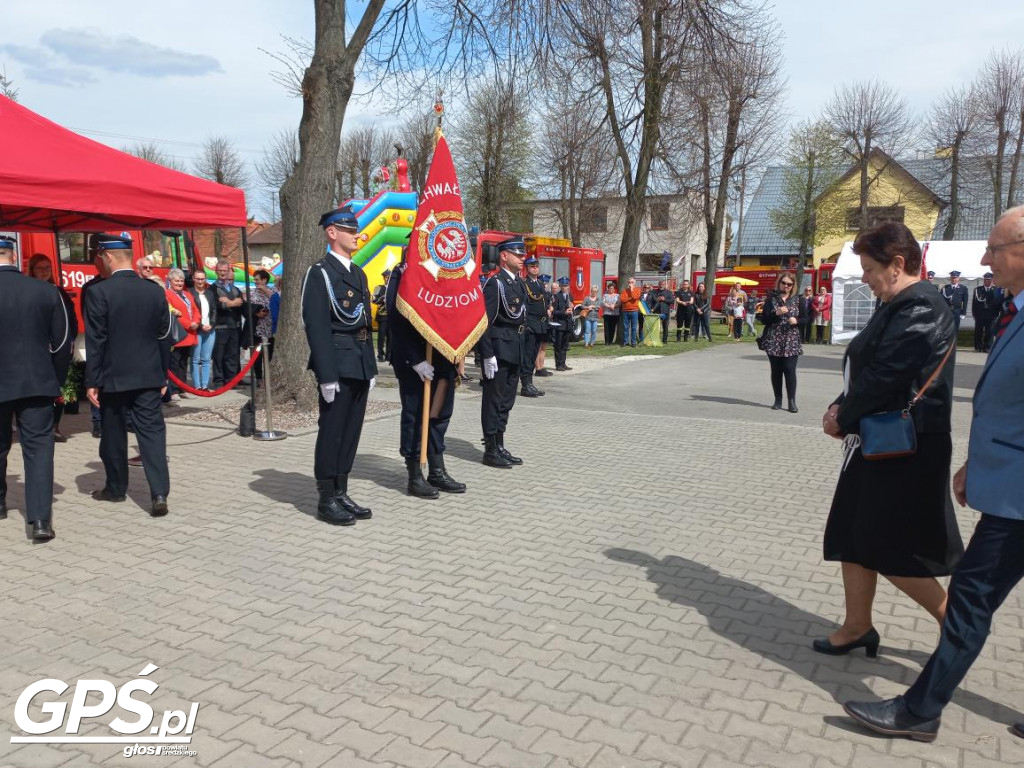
x=373 y=382
x=425 y=371
x=329 y=391
x=490 y=367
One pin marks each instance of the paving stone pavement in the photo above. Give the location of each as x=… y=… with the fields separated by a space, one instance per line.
x=641 y=593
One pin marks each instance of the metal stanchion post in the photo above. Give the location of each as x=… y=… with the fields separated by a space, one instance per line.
x=270 y=434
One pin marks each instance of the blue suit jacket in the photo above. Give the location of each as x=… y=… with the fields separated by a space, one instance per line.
x=995 y=458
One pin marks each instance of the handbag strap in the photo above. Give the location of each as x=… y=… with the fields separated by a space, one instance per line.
x=931 y=379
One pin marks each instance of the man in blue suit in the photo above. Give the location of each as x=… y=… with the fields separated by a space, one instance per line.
x=991 y=482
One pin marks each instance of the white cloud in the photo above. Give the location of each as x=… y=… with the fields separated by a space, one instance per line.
x=62 y=76
x=126 y=53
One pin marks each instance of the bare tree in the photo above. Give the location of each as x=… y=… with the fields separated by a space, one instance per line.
x=416 y=135
x=279 y=158
x=491 y=139
x=149 y=150
x=362 y=152
x=219 y=161
x=866 y=116
x=1000 y=103
x=409 y=37
x=951 y=126
x=814 y=162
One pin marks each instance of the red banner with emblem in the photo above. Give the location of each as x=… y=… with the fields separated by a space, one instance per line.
x=440 y=292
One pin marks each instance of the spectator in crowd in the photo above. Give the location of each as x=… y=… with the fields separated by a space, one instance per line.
x=701 y=313
x=185 y=311
x=727 y=306
x=822 y=314
x=662 y=301
x=738 y=312
x=561 y=314
x=782 y=337
x=383 y=337
x=806 y=314
x=228 y=338
x=751 y=309
x=144 y=267
x=591 y=310
x=629 y=301
x=260 y=297
x=41 y=268
x=893 y=517
x=684 y=311
x=202 y=351
x=610 y=302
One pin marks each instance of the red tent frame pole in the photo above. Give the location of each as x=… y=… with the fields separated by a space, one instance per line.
x=248 y=314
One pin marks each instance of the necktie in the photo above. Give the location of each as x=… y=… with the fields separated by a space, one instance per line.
x=1006 y=317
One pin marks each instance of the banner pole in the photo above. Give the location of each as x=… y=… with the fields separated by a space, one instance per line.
x=425 y=428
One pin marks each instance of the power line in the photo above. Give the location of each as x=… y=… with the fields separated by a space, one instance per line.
x=127 y=137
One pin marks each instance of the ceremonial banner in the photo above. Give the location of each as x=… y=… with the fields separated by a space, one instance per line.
x=440 y=291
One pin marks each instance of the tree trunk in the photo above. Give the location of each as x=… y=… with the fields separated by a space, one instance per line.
x=326 y=88
x=865 y=158
x=954 y=192
x=806 y=234
x=729 y=147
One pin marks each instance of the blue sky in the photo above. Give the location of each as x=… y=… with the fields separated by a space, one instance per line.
x=177 y=72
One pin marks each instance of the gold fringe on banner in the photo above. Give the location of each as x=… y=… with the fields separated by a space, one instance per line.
x=428 y=333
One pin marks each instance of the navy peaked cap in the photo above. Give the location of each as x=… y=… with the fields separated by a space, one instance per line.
x=513 y=244
x=122 y=242
x=6 y=243
x=343 y=217
x=563 y=281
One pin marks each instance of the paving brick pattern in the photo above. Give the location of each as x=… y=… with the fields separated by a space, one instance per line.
x=641 y=593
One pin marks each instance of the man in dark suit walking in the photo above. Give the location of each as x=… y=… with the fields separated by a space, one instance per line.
x=990 y=481
x=127 y=344
x=501 y=350
x=336 y=315
x=35 y=352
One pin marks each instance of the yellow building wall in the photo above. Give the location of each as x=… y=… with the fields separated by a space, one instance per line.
x=893 y=187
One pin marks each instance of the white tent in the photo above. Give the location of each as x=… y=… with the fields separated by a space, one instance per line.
x=853 y=303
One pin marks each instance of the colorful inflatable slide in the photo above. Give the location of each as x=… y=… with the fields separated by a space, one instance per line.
x=384 y=226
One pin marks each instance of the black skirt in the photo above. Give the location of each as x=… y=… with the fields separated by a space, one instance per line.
x=895 y=516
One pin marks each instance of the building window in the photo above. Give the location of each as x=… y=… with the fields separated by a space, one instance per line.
x=594 y=218
x=659 y=215
x=650 y=262
x=521 y=220
x=876 y=216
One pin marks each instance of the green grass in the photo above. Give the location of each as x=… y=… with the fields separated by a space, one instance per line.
x=719 y=334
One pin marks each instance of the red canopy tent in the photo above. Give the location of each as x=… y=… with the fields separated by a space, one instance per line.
x=52 y=179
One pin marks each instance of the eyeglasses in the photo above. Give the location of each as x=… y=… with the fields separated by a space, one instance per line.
x=990 y=250
x=786 y=285
x=147 y=269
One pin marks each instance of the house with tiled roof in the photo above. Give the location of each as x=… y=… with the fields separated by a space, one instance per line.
x=915 y=191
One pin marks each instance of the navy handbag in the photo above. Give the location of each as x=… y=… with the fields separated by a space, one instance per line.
x=891 y=434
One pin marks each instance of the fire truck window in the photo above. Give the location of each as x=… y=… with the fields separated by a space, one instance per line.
x=72 y=248
x=547 y=265
x=561 y=268
x=596 y=272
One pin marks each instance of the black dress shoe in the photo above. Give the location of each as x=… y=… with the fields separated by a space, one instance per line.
x=777 y=405
x=869 y=641
x=105 y=494
x=892 y=718
x=42 y=531
x=96 y=431
x=542 y=372
x=3 y=509
x=1017 y=729
x=439 y=477
x=159 y=508
x=58 y=436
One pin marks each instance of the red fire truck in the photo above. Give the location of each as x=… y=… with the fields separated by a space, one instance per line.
x=764 y=280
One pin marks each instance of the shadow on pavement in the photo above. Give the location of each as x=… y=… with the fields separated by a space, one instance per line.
x=385 y=472
x=292 y=488
x=729 y=401
x=463 y=449
x=779 y=631
x=138 y=486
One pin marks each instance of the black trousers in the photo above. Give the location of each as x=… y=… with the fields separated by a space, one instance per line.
x=34 y=416
x=142 y=407
x=956 y=321
x=562 y=338
x=383 y=339
x=783 y=368
x=805 y=332
x=225 y=356
x=499 y=397
x=992 y=566
x=181 y=359
x=684 y=320
x=982 y=334
x=340 y=425
x=531 y=346
x=611 y=324
x=737 y=327
x=666 y=321
x=410 y=388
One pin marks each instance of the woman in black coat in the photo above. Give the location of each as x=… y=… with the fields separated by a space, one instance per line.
x=893 y=516
x=782 y=337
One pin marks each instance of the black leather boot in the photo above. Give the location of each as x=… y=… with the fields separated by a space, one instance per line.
x=492 y=456
x=439 y=477
x=777 y=405
x=3 y=508
x=341 y=496
x=679 y=335
x=528 y=389
x=328 y=509
x=418 y=486
x=792 y=405
x=501 y=449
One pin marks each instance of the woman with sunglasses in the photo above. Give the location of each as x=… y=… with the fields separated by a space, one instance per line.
x=782 y=337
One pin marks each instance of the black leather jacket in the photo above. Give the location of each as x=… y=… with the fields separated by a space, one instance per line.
x=890 y=360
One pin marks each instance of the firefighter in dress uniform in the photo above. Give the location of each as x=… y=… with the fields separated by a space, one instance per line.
x=537 y=306
x=336 y=315
x=409 y=359
x=502 y=350
x=383 y=329
x=35 y=352
x=561 y=313
x=956 y=296
x=984 y=308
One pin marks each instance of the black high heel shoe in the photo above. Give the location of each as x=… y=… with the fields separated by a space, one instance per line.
x=869 y=641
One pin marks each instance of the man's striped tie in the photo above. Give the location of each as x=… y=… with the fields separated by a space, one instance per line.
x=1006 y=317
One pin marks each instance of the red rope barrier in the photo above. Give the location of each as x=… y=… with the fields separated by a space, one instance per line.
x=227 y=387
